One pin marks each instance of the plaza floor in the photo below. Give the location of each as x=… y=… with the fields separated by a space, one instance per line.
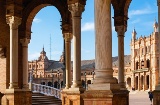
x=139 y=98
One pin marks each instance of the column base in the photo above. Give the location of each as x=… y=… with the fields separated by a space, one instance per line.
x=105 y=86
x=72 y=96
x=106 y=97
x=13 y=85
x=19 y=97
x=156 y=97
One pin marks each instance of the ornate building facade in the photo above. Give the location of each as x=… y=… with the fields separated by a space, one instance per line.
x=16 y=17
x=140 y=70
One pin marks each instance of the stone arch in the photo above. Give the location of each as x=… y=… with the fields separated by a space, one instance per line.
x=129 y=82
x=33 y=7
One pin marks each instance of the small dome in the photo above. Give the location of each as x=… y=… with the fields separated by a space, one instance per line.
x=43 y=52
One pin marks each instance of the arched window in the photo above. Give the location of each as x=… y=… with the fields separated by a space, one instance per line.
x=137 y=64
x=148 y=63
x=142 y=64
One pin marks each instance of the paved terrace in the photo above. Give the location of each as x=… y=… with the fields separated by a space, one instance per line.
x=139 y=98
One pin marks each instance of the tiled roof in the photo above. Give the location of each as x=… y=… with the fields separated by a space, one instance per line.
x=88 y=64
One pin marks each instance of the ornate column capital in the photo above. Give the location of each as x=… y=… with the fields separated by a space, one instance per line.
x=76 y=9
x=120 y=30
x=2 y=52
x=13 y=22
x=25 y=42
x=68 y=36
x=66 y=28
x=120 y=20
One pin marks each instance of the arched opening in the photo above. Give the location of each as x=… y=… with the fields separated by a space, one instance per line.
x=142 y=83
x=136 y=84
x=137 y=65
x=129 y=83
x=148 y=82
x=46 y=45
x=148 y=63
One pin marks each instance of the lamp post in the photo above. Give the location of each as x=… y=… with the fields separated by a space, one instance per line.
x=58 y=78
x=93 y=74
x=85 y=79
x=52 y=79
x=31 y=75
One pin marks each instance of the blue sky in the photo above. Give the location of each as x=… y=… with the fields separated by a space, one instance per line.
x=142 y=14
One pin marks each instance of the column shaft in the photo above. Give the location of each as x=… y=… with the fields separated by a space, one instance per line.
x=103 y=61
x=13 y=22
x=25 y=42
x=68 y=59
x=120 y=31
x=76 y=11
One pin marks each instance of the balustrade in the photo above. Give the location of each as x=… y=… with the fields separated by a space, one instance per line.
x=47 y=90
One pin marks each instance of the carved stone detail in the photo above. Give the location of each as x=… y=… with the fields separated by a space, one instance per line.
x=25 y=42
x=76 y=9
x=120 y=30
x=68 y=36
x=13 y=22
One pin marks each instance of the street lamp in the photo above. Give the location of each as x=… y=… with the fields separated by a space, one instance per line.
x=52 y=79
x=58 y=78
x=85 y=79
x=93 y=73
x=31 y=75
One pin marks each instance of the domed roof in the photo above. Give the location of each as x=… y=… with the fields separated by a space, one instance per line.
x=43 y=52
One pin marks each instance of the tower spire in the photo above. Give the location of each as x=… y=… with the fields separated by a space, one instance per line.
x=134 y=33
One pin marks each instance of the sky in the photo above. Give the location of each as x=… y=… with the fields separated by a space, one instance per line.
x=46 y=30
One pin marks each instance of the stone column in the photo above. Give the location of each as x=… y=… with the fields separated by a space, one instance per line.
x=120 y=31
x=68 y=37
x=13 y=22
x=76 y=10
x=103 y=58
x=25 y=43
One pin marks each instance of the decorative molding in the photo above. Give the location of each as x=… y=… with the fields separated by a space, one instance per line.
x=25 y=42
x=13 y=22
x=120 y=30
x=76 y=9
x=68 y=36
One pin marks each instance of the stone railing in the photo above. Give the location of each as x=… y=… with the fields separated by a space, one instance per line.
x=46 y=90
x=141 y=70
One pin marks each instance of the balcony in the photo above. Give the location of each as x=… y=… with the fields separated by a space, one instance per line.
x=141 y=70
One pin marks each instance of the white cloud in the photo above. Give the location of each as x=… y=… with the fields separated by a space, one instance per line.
x=147 y=10
x=89 y=26
x=135 y=21
x=37 y=20
x=32 y=56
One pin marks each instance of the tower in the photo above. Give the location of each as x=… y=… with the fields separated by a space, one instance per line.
x=134 y=33
x=155 y=26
